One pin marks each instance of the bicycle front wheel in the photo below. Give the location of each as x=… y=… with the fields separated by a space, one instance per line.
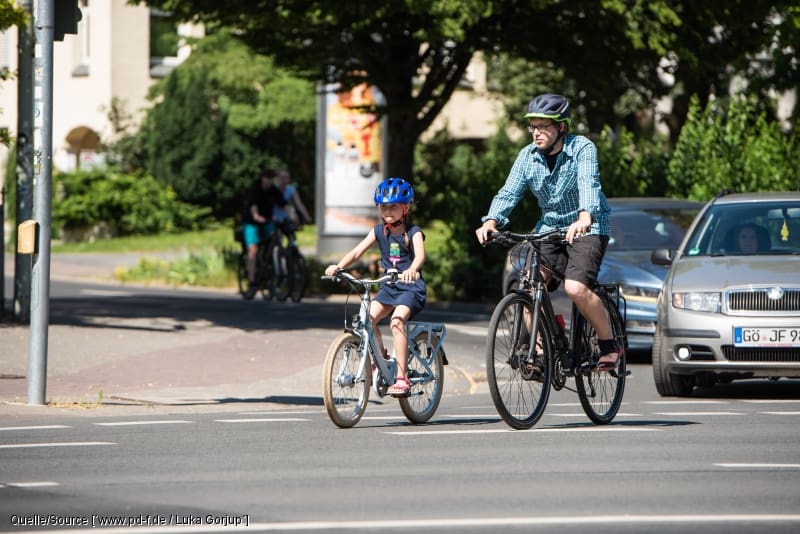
x=518 y=370
x=241 y=277
x=346 y=380
x=282 y=267
x=299 y=272
x=426 y=372
x=600 y=392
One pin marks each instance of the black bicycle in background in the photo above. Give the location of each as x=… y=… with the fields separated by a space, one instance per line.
x=281 y=269
x=528 y=348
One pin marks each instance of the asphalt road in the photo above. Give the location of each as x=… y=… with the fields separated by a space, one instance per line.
x=730 y=463
x=190 y=436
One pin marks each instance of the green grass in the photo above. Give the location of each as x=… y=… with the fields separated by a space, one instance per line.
x=219 y=238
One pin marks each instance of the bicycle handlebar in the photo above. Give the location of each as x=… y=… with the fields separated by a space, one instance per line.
x=342 y=275
x=511 y=238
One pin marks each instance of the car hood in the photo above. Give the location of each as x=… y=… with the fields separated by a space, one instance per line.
x=631 y=266
x=709 y=272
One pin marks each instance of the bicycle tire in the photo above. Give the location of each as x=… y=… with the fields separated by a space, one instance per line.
x=426 y=371
x=299 y=276
x=600 y=392
x=241 y=277
x=519 y=395
x=282 y=269
x=265 y=274
x=345 y=395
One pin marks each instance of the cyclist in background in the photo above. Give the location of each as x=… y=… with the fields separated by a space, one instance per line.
x=561 y=170
x=402 y=247
x=294 y=203
x=261 y=201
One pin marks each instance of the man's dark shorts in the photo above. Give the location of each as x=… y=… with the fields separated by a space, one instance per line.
x=579 y=261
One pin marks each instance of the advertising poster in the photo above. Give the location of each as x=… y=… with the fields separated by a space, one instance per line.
x=352 y=152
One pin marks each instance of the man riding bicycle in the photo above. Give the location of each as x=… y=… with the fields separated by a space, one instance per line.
x=258 y=224
x=561 y=170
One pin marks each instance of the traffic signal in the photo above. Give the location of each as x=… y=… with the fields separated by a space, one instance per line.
x=66 y=15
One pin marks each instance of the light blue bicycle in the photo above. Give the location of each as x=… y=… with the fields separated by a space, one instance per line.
x=354 y=362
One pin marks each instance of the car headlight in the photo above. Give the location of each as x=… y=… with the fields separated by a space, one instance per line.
x=697 y=301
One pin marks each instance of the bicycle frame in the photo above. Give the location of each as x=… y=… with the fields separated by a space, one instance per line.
x=362 y=327
x=347 y=376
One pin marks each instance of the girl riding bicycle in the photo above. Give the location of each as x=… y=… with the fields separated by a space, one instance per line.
x=402 y=248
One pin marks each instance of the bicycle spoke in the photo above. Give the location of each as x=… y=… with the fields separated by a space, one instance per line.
x=519 y=378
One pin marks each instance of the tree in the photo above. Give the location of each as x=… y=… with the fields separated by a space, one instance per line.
x=611 y=55
x=730 y=144
x=10 y=15
x=221 y=117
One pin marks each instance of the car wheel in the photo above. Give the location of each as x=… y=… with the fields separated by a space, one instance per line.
x=668 y=384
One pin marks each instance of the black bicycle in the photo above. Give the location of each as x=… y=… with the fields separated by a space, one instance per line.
x=281 y=269
x=528 y=349
x=292 y=272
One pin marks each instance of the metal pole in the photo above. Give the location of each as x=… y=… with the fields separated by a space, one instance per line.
x=42 y=171
x=22 y=265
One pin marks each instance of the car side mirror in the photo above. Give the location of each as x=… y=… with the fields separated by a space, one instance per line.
x=662 y=256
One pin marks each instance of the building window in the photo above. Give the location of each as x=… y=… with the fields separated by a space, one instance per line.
x=165 y=42
x=84 y=41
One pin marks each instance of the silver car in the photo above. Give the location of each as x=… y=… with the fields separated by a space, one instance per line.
x=638 y=225
x=730 y=307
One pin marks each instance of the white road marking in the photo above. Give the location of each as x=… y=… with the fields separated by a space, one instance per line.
x=772 y=401
x=495 y=431
x=686 y=402
x=132 y=423
x=60 y=444
x=781 y=413
x=477 y=331
x=262 y=420
x=106 y=293
x=450 y=523
x=40 y=427
x=620 y=414
x=691 y=414
x=760 y=466
x=28 y=484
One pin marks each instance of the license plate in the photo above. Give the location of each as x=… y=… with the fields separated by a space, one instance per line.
x=782 y=336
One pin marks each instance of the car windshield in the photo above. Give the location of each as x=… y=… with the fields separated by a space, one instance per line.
x=646 y=229
x=763 y=227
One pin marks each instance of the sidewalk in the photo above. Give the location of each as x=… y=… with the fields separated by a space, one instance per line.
x=156 y=364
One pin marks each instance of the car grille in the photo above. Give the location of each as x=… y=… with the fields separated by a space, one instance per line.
x=759 y=300
x=770 y=354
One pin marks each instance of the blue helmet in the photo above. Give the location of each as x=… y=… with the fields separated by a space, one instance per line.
x=394 y=191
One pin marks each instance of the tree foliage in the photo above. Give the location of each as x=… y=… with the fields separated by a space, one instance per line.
x=221 y=117
x=130 y=204
x=730 y=144
x=610 y=55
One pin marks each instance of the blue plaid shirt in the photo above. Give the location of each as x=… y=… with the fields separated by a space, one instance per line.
x=573 y=186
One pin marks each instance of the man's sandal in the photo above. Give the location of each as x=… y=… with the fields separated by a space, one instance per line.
x=611 y=363
x=400 y=388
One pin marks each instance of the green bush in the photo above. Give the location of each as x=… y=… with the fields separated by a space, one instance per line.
x=732 y=145
x=131 y=204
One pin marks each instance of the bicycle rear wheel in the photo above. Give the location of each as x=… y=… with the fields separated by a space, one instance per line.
x=299 y=272
x=600 y=392
x=426 y=372
x=345 y=381
x=519 y=377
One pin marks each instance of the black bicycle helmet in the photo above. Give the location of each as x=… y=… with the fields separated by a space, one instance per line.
x=394 y=191
x=549 y=106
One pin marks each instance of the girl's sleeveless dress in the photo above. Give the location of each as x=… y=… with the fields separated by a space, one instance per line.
x=411 y=294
